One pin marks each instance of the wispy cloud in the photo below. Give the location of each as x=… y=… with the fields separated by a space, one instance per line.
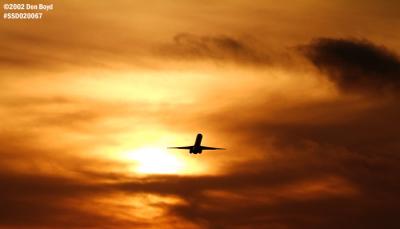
x=218 y=48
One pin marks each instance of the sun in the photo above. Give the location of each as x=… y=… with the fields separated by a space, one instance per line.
x=153 y=160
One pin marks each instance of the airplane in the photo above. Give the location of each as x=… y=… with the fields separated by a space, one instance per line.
x=197 y=148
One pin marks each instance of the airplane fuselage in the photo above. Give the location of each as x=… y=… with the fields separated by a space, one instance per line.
x=197 y=145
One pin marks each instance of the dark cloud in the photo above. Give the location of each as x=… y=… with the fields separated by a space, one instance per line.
x=355 y=64
x=42 y=188
x=354 y=140
x=321 y=185
x=47 y=201
x=220 y=48
x=274 y=197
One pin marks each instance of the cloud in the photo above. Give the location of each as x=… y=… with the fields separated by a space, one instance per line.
x=355 y=65
x=316 y=173
x=354 y=141
x=219 y=48
x=50 y=188
x=315 y=165
x=49 y=201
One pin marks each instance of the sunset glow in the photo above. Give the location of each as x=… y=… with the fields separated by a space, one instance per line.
x=153 y=160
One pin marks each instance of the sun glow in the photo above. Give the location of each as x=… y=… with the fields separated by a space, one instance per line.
x=153 y=160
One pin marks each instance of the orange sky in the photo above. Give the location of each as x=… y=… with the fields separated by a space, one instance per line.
x=303 y=94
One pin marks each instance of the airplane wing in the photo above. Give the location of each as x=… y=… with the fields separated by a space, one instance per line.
x=210 y=148
x=181 y=147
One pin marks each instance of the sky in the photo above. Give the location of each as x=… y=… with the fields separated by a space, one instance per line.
x=304 y=95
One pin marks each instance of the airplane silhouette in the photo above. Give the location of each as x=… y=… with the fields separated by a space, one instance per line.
x=197 y=147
